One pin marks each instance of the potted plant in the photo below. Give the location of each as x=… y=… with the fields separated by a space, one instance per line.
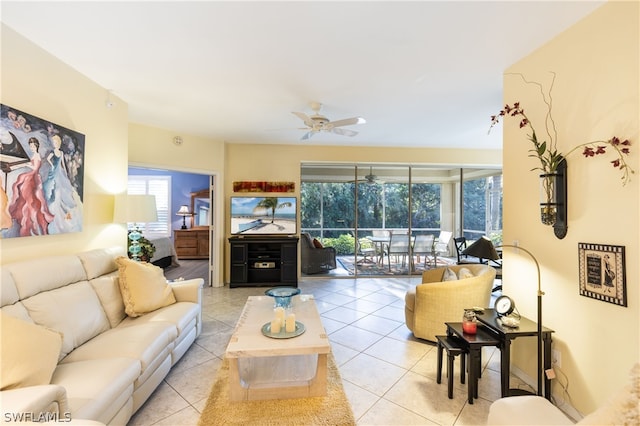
x=147 y=249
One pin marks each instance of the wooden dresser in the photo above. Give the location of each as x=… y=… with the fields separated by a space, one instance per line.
x=191 y=243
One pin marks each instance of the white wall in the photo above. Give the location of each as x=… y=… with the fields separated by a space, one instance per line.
x=595 y=97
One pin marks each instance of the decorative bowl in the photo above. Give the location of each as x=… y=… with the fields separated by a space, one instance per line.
x=282 y=295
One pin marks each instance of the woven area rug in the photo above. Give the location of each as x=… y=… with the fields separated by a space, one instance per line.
x=333 y=409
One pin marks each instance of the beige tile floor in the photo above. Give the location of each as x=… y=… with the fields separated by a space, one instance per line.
x=389 y=376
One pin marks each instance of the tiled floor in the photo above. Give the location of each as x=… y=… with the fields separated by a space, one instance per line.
x=389 y=376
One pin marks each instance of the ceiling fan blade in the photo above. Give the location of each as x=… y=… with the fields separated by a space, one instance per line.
x=347 y=122
x=304 y=117
x=307 y=135
x=344 y=132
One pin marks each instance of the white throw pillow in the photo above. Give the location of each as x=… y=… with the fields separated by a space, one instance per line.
x=29 y=353
x=464 y=273
x=449 y=275
x=143 y=286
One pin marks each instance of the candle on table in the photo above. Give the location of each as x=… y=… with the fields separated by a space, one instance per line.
x=276 y=324
x=280 y=315
x=291 y=323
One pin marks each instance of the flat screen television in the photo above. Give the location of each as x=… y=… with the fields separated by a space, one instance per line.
x=263 y=215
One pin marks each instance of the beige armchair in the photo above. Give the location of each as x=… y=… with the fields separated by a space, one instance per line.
x=430 y=304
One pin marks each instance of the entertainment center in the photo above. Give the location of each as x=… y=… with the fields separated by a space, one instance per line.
x=264 y=260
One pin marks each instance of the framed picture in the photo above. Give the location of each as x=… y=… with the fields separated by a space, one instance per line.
x=42 y=179
x=602 y=272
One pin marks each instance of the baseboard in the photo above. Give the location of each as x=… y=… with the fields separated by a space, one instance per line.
x=562 y=405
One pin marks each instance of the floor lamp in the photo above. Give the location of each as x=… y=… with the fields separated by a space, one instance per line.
x=483 y=248
x=136 y=209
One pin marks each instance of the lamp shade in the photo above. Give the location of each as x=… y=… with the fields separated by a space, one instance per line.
x=482 y=248
x=135 y=209
x=184 y=211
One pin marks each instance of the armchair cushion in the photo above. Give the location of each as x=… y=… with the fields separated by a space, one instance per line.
x=143 y=286
x=29 y=353
x=317 y=243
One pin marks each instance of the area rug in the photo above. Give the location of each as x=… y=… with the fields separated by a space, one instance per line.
x=333 y=409
x=396 y=269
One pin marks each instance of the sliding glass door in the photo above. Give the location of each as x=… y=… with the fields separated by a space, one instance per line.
x=385 y=219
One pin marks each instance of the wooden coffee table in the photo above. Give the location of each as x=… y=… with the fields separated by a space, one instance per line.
x=262 y=367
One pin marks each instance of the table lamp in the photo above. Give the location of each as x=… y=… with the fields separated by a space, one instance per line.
x=136 y=209
x=184 y=212
x=483 y=248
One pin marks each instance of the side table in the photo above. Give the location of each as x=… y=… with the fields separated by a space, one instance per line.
x=490 y=319
x=474 y=344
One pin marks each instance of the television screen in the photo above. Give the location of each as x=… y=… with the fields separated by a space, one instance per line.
x=263 y=215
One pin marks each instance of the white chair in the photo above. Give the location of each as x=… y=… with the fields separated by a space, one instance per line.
x=423 y=245
x=441 y=246
x=399 y=245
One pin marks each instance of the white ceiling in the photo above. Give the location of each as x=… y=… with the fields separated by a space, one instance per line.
x=422 y=73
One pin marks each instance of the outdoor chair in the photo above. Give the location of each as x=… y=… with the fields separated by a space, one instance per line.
x=423 y=245
x=398 y=245
x=315 y=260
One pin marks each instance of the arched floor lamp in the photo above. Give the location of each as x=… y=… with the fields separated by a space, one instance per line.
x=483 y=248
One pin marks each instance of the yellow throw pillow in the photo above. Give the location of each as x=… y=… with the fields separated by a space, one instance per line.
x=29 y=353
x=143 y=286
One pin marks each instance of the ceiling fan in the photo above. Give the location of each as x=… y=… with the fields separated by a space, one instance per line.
x=318 y=123
x=370 y=178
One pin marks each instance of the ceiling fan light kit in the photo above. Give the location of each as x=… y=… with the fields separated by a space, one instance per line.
x=318 y=123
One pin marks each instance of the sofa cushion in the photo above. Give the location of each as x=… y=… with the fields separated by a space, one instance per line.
x=29 y=353
x=46 y=273
x=148 y=342
x=143 y=286
x=100 y=261
x=73 y=310
x=108 y=290
x=97 y=388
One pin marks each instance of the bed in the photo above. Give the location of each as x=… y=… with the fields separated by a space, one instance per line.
x=165 y=254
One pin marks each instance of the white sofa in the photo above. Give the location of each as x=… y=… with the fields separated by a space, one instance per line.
x=109 y=362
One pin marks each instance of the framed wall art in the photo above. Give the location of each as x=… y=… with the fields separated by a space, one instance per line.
x=263 y=186
x=42 y=179
x=602 y=272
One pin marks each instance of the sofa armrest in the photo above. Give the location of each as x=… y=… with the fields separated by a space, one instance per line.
x=188 y=290
x=27 y=404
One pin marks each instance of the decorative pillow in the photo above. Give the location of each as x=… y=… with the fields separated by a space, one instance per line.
x=464 y=273
x=317 y=244
x=29 y=353
x=449 y=275
x=143 y=286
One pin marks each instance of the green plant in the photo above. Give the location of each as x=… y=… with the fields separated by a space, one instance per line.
x=546 y=151
x=344 y=244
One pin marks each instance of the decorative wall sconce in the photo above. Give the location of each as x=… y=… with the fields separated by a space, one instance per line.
x=553 y=199
x=184 y=212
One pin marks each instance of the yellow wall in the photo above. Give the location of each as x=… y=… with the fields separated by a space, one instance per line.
x=154 y=147
x=595 y=97
x=282 y=163
x=37 y=83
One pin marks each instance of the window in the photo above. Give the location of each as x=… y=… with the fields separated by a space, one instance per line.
x=160 y=186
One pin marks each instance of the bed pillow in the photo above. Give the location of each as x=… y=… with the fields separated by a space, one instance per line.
x=29 y=353
x=449 y=275
x=143 y=286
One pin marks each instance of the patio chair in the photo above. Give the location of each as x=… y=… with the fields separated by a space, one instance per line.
x=441 y=246
x=398 y=245
x=423 y=245
x=315 y=260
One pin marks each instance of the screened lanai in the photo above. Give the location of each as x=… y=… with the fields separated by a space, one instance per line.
x=396 y=219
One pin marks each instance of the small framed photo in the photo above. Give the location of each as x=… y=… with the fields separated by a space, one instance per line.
x=602 y=272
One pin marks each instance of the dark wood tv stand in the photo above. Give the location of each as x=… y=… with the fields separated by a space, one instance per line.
x=260 y=261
